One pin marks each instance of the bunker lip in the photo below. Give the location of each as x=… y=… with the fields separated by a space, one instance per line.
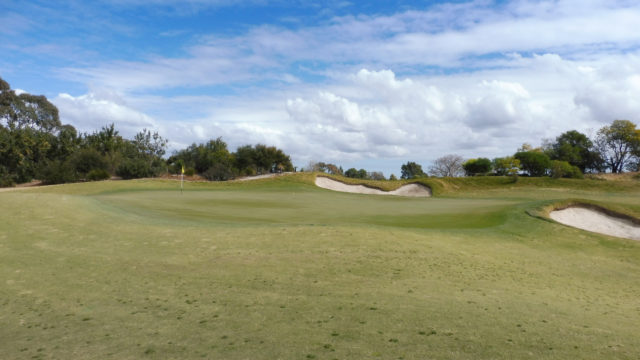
x=597 y=219
x=410 y=190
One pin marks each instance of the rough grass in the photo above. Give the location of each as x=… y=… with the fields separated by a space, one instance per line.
x=465 y=185
x=278 y=268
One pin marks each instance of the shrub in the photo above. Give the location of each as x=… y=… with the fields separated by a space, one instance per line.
x=97 y=175
x=249 y=171
x=190 y=171
x=85 y=160
x=561 y=169
x=134 y=168
x=58 y=172
x=6 y=179
x=219 y=172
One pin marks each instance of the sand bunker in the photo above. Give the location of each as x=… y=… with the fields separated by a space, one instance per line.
x=265 y=176
x=413 y=190
x=597 y=221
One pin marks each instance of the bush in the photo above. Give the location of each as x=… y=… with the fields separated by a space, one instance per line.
x=6 y=179
x=249 y=171
x=134 y=169
x=58 y=172
x=219 y=172
x=85 y=160
x=189 y=171
x=562 y=169
x=97 y=175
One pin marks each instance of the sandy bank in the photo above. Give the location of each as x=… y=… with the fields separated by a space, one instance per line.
x=413 y=190
x=596 y=221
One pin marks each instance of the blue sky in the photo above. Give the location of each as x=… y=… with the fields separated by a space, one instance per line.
x=359 y=84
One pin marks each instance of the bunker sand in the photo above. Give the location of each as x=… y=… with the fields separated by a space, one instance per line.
x=411 y=190
x=596 y=221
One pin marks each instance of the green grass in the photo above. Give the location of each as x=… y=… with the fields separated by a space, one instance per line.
x=279 y=268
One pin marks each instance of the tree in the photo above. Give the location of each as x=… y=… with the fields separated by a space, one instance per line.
x=144 y=155
x=411 y=170
x=324 y=167
x=576 y=149
x=150 y=145
x=393 y=177
x=533 y=162
x=26 y=110
x=447 y=166
x=618 y=144
x=480 y=166
x=269 y=159
x=506 y=166
x=107 y=142
x=352 y=173
x=376 y=175
x=28 y=128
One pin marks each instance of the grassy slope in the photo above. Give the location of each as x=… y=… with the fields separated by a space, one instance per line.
x=280 y=269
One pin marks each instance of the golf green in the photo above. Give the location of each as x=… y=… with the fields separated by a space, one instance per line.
x=280 y=269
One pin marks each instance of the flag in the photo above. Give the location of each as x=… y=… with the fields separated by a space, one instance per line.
x=182 y=169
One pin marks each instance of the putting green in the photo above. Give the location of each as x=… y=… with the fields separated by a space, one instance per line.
x=278 y=268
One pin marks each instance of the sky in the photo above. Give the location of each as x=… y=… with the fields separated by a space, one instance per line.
x=360 y=84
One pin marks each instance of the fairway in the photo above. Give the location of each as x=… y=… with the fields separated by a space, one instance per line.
x=281 y=269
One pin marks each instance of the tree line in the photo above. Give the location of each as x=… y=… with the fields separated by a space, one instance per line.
x=34 y=144
x=615 y=148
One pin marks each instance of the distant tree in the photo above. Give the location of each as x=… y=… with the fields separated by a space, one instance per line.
x=269 y=159
x=618 y=144
x=376 y=175
x=29 y=126
x=393 y=177
x=480 y=166
x=150 y=144
x=109 y=143
x=245 y=158
x=447 y=166
x=525 y=147
x=27 y=111
x=533 y=162
x=411 y=170
x=65 y=144
x=325 y=168
x=506 y=166
x=576 y=149
x=351 y=173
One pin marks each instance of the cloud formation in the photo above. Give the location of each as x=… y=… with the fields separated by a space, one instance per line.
x=446 y=36
x=477 y=78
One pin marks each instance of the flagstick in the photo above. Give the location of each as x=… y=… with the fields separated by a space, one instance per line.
x=181 y=182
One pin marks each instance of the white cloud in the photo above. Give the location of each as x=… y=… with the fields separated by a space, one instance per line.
x=92 y=111
x=449 y=36
x=474 y=79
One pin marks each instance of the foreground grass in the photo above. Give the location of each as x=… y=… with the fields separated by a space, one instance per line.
x=281 y=269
